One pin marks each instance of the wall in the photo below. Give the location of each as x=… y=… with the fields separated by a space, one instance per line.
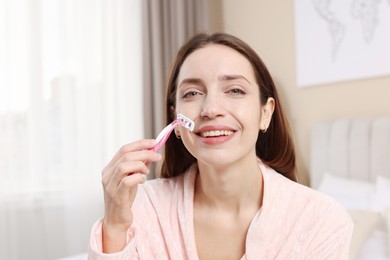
x=268 y=26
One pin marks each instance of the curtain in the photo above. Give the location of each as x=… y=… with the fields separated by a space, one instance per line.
x=166 y=26
x=70 y=95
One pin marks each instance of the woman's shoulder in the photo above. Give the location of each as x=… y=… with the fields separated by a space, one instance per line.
x=300 y=198
x=303 y=218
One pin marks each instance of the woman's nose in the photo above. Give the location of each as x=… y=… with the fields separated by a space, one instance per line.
x=211 y=106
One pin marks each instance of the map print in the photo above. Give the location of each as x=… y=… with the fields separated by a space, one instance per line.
x=366 y=11
x=339 y=40
x=335 y=27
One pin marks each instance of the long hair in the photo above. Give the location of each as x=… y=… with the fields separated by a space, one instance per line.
x=274 y=147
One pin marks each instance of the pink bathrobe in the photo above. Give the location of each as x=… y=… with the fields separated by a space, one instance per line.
x=295 y=222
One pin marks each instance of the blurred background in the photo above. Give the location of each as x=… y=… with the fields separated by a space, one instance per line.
x=80 y=78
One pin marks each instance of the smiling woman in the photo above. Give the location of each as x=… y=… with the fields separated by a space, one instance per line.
x=227 y=94
x=228 y=188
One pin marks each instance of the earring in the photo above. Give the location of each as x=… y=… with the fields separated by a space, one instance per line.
x=177 y=134
x=264 y=129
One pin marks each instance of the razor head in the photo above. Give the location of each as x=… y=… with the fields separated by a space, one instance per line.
x=187 y=123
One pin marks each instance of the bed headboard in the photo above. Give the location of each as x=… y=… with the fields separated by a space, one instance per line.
x=356 y=148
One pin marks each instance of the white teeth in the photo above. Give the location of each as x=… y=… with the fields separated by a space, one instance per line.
x=216 y=133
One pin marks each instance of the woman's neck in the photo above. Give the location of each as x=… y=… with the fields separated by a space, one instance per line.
x=233 y=188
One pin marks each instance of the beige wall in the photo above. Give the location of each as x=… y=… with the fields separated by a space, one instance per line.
x=268 y=26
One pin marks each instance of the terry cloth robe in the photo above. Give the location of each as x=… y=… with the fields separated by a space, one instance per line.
x=294 y=222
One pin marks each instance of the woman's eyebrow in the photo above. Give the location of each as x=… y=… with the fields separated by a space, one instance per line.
x=232 y=77
x=194 y=81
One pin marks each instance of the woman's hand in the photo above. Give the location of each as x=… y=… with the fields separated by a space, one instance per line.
x=120 y=179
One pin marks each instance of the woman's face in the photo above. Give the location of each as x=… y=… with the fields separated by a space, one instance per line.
x=218 y=91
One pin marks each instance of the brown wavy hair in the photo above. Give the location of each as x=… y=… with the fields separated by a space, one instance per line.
x=274 y=147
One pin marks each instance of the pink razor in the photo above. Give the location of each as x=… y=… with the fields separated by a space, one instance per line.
x=164 y=134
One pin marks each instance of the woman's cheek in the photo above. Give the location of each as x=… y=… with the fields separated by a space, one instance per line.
x=189 y=110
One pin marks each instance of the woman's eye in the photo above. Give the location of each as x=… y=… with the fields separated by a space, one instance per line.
x=236 y=91
x=190 y=94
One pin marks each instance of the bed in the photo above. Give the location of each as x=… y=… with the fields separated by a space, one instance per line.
x=350 y=161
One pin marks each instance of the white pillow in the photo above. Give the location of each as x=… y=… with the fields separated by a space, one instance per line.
x=351 y=193
x=364 y=223
x=382 y=183
x=387 y=216
x=381 y=197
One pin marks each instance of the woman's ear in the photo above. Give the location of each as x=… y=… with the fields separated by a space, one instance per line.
x=266 y=114
x=173 y=112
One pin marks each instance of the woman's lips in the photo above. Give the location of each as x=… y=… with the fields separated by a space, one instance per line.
x=215 y=134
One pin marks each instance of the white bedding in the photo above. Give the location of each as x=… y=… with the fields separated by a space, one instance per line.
x=375 y=247
x=350 y=161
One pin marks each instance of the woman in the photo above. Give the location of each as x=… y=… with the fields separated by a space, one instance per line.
x=228 y=189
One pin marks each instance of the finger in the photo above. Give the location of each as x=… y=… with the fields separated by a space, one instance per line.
x=140 y=145
x=123 y=165
x=130 y=182
x=127 y=188
x=121 y=199
x=128 y=168
x=144 y=156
